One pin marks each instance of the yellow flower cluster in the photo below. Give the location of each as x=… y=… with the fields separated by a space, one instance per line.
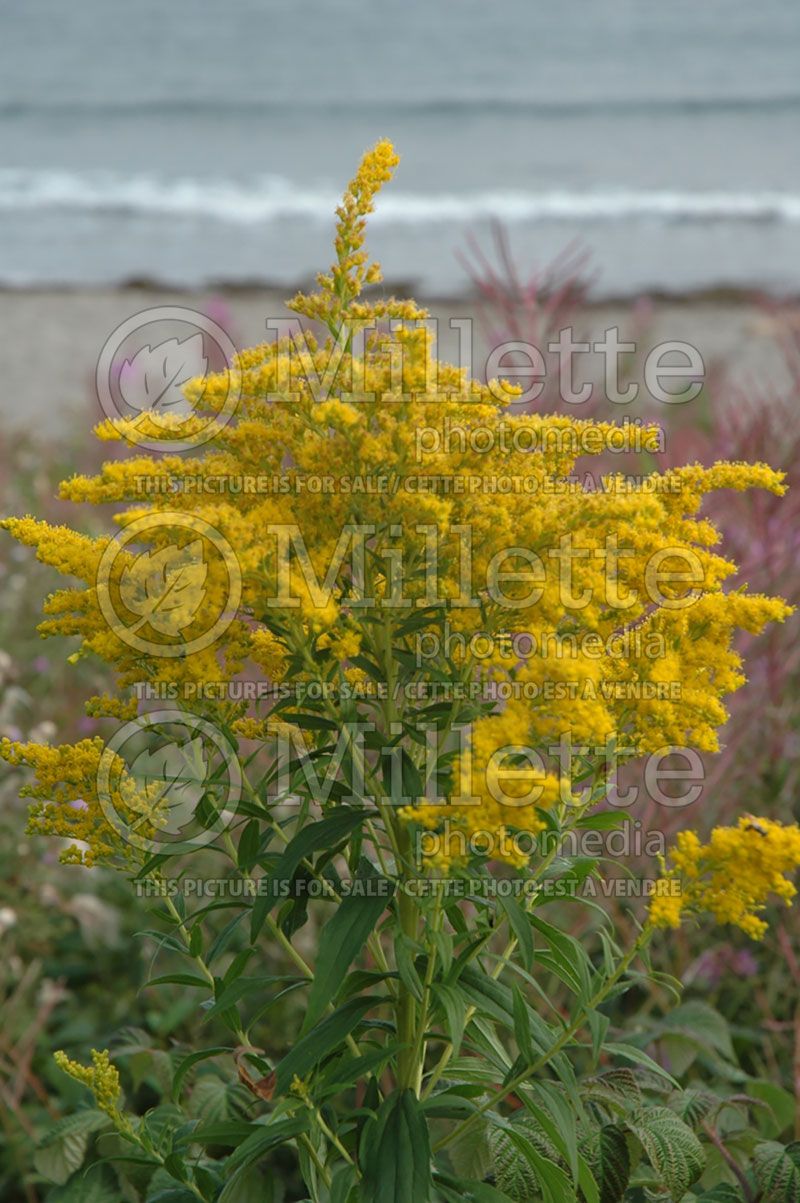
x=731 y=877
x=85 y=795
x=102 y=1079
x=351 y=549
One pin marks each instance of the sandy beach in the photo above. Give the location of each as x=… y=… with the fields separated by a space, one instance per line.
x=52 y=338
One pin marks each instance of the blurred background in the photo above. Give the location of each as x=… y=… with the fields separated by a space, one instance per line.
x=592 y=163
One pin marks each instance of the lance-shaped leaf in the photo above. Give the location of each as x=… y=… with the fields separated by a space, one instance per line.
x=396 y=1153
x=343 y=937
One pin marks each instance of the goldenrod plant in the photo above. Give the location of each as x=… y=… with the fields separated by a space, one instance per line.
x=368 y=684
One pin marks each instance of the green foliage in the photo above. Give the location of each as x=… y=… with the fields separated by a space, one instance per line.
x=671 y=1147
x=777 y=1172
x=607 y=1154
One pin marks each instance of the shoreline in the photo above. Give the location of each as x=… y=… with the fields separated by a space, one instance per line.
x=722 y=293
x=52 y=336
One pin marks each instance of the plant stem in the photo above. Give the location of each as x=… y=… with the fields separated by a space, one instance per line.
x=503 y=961
x=568 y=1033
x=406 y=1004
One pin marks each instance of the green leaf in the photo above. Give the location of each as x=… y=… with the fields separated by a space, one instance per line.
x=396 y=1153
x=781 y=1106
x=256 y=1146
x=522 y=1026
x=520 y=925
x=470 y=1152
x=541 y=1158
x=569 y=958
x=723 y=1193
x=404 y=953
x=342 y=939
x=64 y=1148
x=694 y=1105
x=671 y=1147
x=454 y=1007
x=324 y=834
x=342 y=1184
x=598 y=1026
x=606 y=1151
x=629 y=1053
x=702 y=1024
x=187 y=1063
x=98 y=1184
x=227 y=1134
x=179 y=979
x=321 y=1041
x=463 y=1191
x=249 y=846
x=349 y=1071
x=516 y=1148
x=233 y=994
x=777 y=1171
x=615 y=1089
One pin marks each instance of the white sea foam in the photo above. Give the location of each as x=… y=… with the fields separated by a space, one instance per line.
x=267 y=199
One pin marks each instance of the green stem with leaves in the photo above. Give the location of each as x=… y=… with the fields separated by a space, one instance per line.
x=568 y=1034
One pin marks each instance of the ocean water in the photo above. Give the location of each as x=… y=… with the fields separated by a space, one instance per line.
x=196 y=142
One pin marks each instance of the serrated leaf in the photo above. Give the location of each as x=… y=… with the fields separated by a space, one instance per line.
x=512 y=1160
x=777 y=1171
x=616 y=1088
x=97 y=1184
x=723 y=1193
x=694 y=1105
x=63 y=1150
x=671 y=1147
x=606 y=1151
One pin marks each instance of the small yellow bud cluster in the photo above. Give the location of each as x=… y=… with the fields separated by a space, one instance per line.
x=101 y=1077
